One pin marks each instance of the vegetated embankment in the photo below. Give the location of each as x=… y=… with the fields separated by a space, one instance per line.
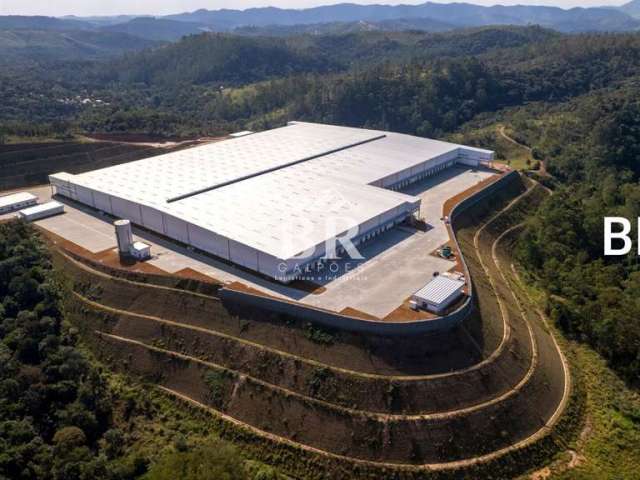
x=348 y=402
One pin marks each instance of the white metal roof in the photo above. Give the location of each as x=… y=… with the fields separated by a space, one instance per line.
x=163 y=177
x=43 y=207
x=13 y=198
x=281 y=191
x=439 y=289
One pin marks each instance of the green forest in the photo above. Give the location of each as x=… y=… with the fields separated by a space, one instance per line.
x=62 y=416
x=593 y=154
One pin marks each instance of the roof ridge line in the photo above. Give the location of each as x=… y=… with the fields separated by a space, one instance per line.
x=273 y=169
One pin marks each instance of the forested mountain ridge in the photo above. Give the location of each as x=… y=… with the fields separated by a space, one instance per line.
x=225 y=58
x=39 y=22
x=178 y=86
x=457 y=14
x=159 y=29
x=222 y=58
x=25 y=46
x=337 y=28
x=24 y=39
x=332 y=19
x=175 y=89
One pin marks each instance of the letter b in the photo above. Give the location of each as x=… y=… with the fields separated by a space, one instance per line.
x=623 y=235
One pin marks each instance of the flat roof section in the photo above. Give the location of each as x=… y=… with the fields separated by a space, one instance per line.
x=287 y=212
x=272 y=169
x=13 y=198
x=439 y=289
x=154 y=180
x=43 y=207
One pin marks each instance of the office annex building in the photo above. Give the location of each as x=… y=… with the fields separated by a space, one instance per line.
x=272 y=201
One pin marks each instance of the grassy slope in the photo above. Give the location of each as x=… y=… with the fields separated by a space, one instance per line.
x=154 y=424
x=609 y=444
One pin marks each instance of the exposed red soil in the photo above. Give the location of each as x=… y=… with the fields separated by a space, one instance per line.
x=112 y=258
x=405 y=313
x=195 y=275
x=241 y=287
x=307 y=286
x=352 y=312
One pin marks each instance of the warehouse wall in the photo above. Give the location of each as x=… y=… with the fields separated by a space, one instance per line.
x=473 y=156
x=425 y=169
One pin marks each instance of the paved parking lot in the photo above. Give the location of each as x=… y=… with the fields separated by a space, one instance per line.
x=396 y=264
x=390 y=275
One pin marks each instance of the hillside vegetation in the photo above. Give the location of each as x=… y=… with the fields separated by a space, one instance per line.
x=590 y=144
x=62 y=417
x=28 y=46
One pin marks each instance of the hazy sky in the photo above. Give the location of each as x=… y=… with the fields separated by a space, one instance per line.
x=163 y=7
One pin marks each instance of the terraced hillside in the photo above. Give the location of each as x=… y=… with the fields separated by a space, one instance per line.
x=488 y=395
x=30 y=163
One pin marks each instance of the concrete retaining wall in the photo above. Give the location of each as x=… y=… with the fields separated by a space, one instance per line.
x=346 y=322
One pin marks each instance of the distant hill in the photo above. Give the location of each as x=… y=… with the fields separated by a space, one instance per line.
x=160 y=29
x=12 y=22
x=48 y=45
x=336 y=28
x=632 y=8
x=224 y=59
x=217 y=58
x=457 y=14
x=105 y=20
x=335 y=20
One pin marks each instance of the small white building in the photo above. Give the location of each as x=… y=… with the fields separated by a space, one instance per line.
x=41 y=211
x=16 y=201
x=438 y=294
x=140 y=251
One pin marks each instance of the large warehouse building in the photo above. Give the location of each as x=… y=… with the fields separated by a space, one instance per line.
x=272 y=201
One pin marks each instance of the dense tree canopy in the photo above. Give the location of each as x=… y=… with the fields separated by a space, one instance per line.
x=592 y=147
x=56 y=407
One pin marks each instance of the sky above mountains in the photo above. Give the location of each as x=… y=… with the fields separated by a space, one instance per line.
x=164 y=7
